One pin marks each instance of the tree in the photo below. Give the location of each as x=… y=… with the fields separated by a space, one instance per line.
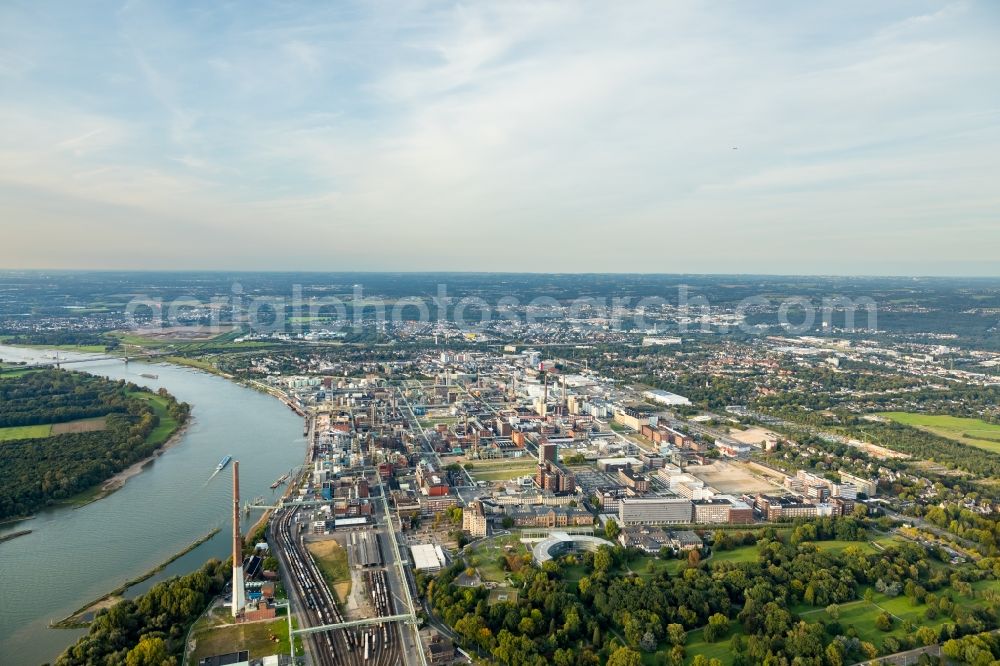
x=602 y=559
x=676 y=634
x=150 y=652
x=702 y=660
x=624 y=656
x=694 y=557
x=833 y=610
x=927 y=636
x=835 y=654
x=611 y=529
x=718 y=625
x=883 y=621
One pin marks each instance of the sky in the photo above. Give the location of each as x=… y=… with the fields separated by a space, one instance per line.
x=663 y=137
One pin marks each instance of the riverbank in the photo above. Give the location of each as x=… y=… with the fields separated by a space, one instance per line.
x=118 y=481
x=83 y=616
x=73 y=557
x=196 y=363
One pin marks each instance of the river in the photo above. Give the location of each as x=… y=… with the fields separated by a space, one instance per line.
x=74 y=556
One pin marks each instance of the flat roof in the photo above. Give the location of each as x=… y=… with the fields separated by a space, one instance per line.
x=427 y=556
x=349 y=522
x=230 y=659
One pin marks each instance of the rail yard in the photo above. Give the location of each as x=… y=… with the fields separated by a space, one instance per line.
x=316 y=605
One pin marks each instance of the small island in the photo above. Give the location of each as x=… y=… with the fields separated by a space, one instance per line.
x=64 y=434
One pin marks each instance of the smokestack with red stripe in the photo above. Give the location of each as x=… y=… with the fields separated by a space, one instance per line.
x=239 y=592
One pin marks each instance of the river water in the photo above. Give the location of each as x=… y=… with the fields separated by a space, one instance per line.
x=74 y=556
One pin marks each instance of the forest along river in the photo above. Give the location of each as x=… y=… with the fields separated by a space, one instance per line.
x=74 y=556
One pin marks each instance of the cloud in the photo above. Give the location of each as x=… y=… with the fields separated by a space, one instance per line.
x=569 y=136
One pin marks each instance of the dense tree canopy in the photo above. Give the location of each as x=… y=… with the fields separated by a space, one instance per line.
x=151 y=628
x=608 y=615
x=48 y=469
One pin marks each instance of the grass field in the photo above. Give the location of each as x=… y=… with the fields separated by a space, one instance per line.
x=739 y=554
x=749 y=553
x=168 y=423
x=838 y=546
x=192 y=363
x=973 y=432
x=696 y=644
x=10 y=371
x=75 y=348
x=331 y=558
x=214 y=634
x=49 y=429
x=504 y=474
x=502 y=470
x=25 y=432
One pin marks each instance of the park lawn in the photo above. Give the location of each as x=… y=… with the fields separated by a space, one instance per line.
x=749 y=553
x=888 y=540
x=573 y=574
x=861 y=615
x=974 y=432
x=739 y=554
x=331 y=558
x=491 y=572
x=640 y=566
x=837 y=546
x=485 y=556
x=25 y=432
x=696 y=644
x=672 y=565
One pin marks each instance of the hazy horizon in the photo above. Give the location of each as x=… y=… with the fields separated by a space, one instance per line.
x=848 y=139
x=295 y=271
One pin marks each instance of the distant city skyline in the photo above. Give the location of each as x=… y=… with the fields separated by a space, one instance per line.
x=641 y=137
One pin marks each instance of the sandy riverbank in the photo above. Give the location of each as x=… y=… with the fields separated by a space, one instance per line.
x=118 y=481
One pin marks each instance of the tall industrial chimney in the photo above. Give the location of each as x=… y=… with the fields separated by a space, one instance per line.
x=239 y=592
x=545 y=396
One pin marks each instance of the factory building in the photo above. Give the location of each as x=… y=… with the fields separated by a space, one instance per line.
x=654 y=510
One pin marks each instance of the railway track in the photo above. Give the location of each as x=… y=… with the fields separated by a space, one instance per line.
x=375 y=645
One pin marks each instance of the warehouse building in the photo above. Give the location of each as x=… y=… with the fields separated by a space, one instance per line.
x=654 y=510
